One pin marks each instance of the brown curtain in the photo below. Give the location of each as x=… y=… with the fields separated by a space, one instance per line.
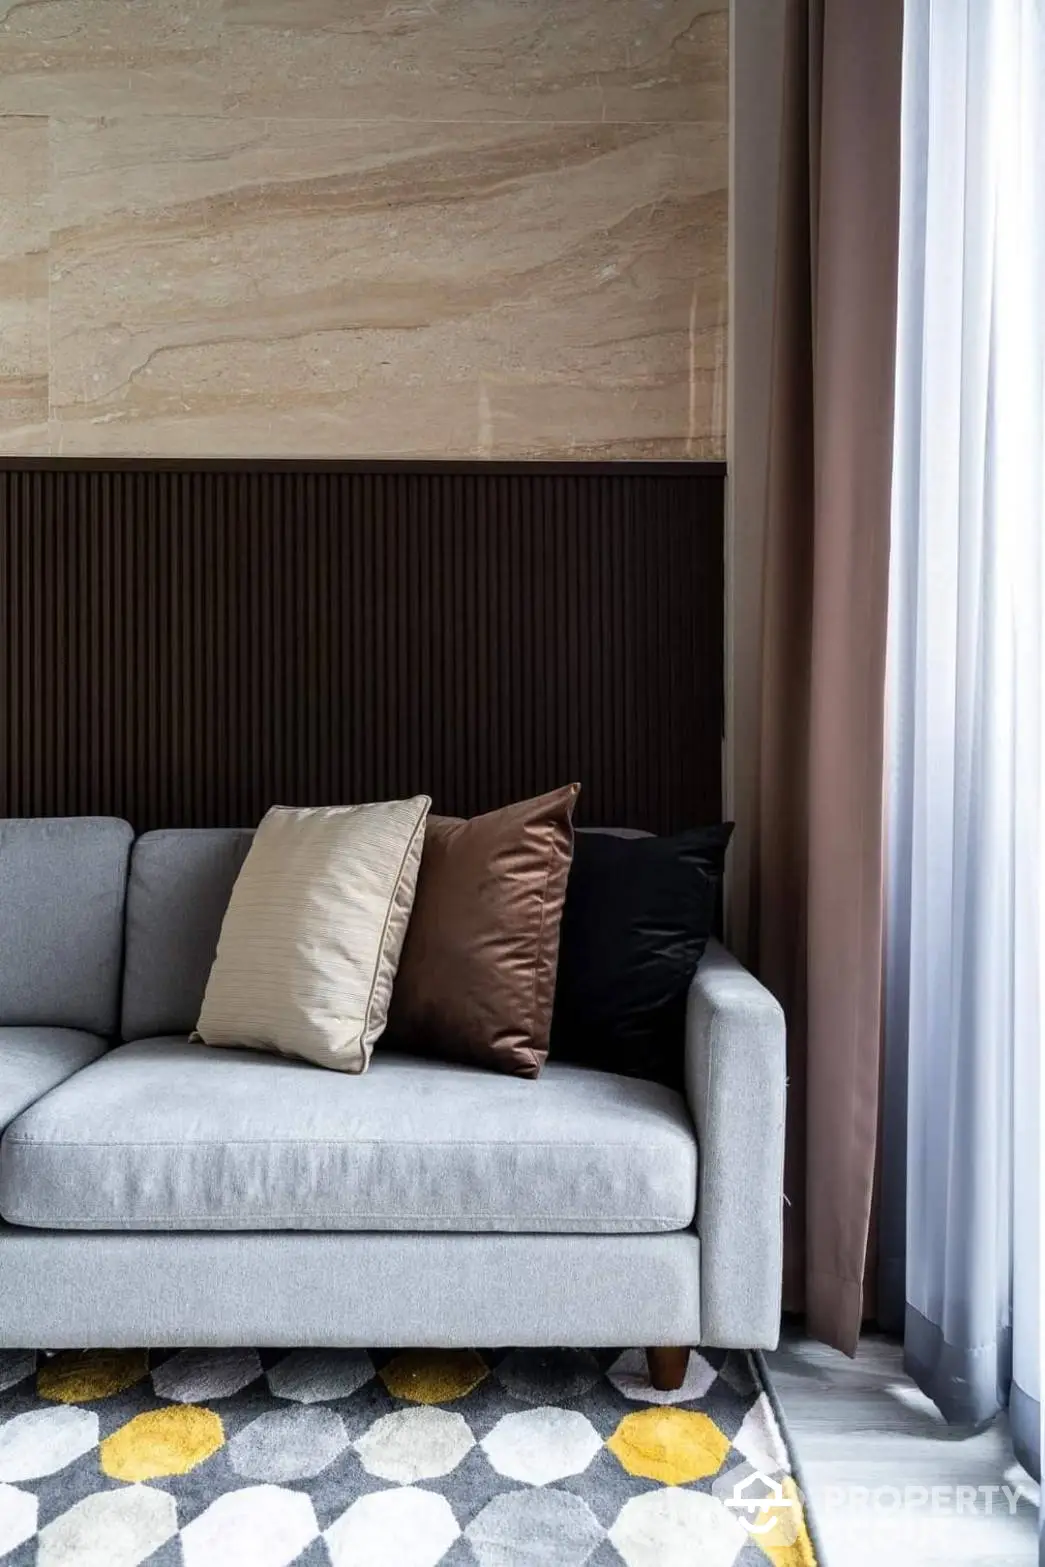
x=808 y=701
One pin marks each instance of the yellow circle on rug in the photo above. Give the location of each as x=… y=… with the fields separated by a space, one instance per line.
x=80 y=1377
x=780 y=1529
x=167 y=1441
x=433 y=1376
x=673 y=1446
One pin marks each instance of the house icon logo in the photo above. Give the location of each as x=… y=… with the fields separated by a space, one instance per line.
x=758 y=1501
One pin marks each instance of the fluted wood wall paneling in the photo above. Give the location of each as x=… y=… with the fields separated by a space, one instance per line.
x=187 y=646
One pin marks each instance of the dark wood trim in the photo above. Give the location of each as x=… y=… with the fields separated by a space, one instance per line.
x=623 y=468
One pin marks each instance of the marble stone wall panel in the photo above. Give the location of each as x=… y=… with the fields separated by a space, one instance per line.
x=88 y=57
x=367 y=59
x=477 y=59
x=349 y=227
x=24 y=232
x=323 y=288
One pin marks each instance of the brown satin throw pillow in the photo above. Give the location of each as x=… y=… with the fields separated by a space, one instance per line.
x=476 y=978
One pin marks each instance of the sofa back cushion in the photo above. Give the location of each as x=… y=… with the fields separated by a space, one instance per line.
x=180 y=883
x=62 y=885
x=639 y=912
x=476 y=979
x=311 y=938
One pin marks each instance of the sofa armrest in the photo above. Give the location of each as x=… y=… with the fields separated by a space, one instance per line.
x=735 y=1083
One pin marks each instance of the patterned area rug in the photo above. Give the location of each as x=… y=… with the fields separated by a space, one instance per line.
x=522 y=1458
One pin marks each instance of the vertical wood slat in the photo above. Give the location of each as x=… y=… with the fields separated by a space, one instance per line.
x=184 y=647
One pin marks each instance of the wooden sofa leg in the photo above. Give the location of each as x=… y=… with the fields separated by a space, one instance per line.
x=667 y=1368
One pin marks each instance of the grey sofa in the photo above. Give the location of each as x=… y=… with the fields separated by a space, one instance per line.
x=156 y=1192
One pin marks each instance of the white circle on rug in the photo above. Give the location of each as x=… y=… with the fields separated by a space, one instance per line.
x=18 y=1511
x=45 y=1440
x=288 y=1444
x=194 y=1375
x=110 y=1529
x=259 y=1526
x=403 y=1528
x=15 y=1366
x=548 y=1376
x=759 y=1438
x=311 y=1376
x=538 y=1446
x=670 y=1527
x=541 y=1528
x=415 y=1444
x=630 y=1376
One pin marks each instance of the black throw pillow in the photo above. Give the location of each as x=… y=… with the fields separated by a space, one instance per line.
x=637 y=918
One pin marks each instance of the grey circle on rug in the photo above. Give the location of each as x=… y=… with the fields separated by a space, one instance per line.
x=288 y=1444
x=548 y=1376
x=556 y=1528
x=313 y=1376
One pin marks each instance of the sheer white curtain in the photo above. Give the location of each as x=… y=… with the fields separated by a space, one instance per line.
x=966 y=808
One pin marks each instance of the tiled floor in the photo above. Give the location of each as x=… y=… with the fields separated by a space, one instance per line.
x=862 y=1424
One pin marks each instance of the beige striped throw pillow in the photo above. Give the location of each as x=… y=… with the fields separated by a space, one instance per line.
x=311 y=938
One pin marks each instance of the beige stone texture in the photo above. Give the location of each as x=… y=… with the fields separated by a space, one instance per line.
x=462 y=228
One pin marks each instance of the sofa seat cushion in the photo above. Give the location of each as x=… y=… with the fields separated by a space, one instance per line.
x=167 y=1135
x=35 y=1060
